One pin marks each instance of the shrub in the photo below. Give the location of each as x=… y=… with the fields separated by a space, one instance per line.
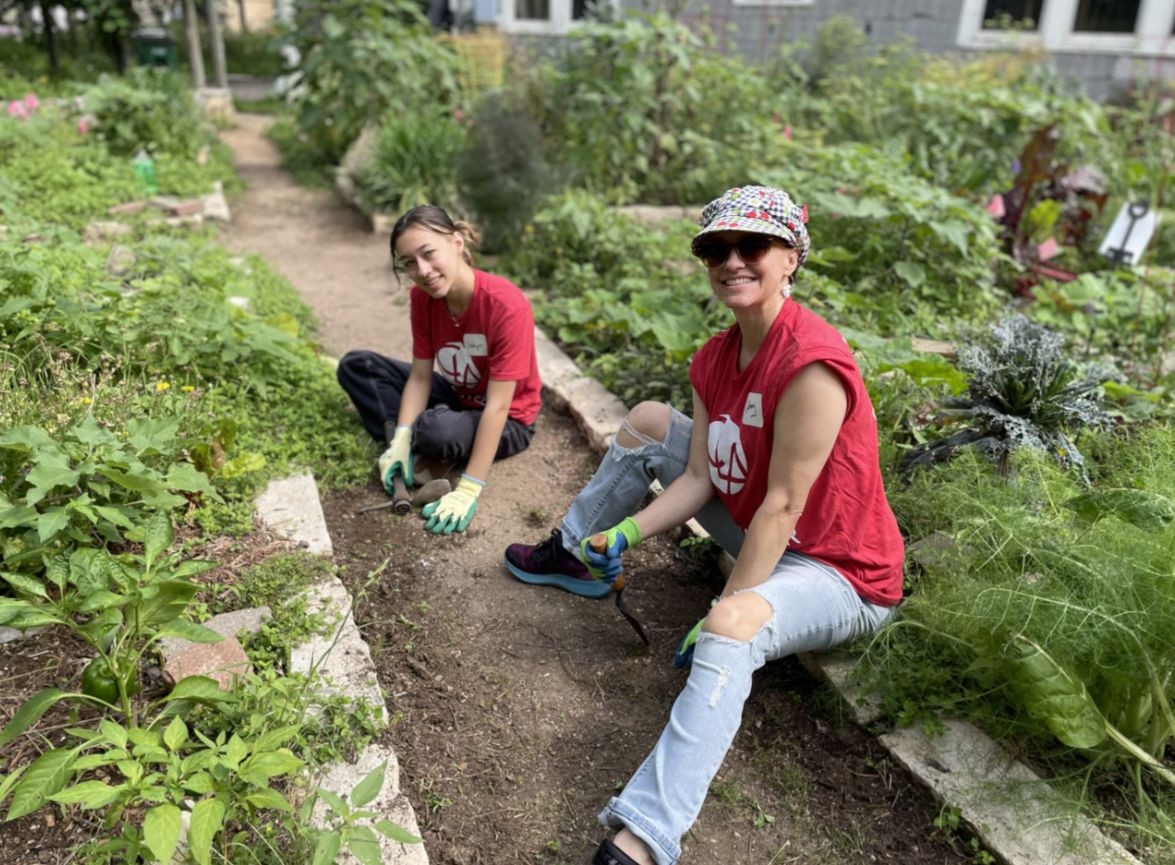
x=642 y=109
x=414 y=161
x=503 y=173
x=911 y=253
x=149 y=109
x=361 y=60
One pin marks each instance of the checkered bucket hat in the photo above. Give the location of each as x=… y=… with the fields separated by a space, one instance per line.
x=759 y=210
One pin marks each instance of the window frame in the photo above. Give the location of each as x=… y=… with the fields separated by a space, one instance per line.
x=1152 y=36
x=773 y=2
x=558 y=24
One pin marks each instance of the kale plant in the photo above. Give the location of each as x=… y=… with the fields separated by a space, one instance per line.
x=1022 y=392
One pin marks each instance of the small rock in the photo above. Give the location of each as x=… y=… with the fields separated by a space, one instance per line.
x=186 y=207
x=222 y=661
x=227 y=625
x=128 y=208
x=98 y=232
x=193 y=221
x=8 y=635
x=120 y=260
x=382 y=223
x=215 y=206
x=202 y=155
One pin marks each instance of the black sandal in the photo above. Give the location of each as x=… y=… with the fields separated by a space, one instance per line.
x=609 y=854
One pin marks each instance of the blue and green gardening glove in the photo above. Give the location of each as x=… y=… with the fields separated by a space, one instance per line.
x=397 y=458
x=454 y=511
x=605 y=564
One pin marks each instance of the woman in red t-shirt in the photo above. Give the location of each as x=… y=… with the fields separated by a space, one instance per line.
x=478 y=330
x=780 y=465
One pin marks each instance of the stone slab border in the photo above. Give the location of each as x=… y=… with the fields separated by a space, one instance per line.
x=1012 y=810
x=291 y=508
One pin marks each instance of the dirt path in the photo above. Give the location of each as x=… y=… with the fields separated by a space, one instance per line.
x=517 y=711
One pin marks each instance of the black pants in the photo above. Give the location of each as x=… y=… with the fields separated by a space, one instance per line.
x=445 y=430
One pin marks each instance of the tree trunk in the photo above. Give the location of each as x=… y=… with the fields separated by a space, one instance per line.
x=241 y=13
x=50 y=35
x=195 y=55
x=216 y=38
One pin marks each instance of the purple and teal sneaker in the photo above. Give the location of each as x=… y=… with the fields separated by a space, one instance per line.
x=548 y=564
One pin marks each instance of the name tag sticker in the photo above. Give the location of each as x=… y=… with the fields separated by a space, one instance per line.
x=475 y=344
x=753 y=410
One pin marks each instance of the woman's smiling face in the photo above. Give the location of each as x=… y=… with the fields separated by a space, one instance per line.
x=743 y=283
x=431 y=259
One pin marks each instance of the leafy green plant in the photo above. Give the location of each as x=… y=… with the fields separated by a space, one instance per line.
x=361 y=60
x=159 y=769
x=643 y=109
x=907 y=253
x=413 y=161
x=91 y=486
x=119 y=604
x=149 y=109
x=348 y=825
x=1021 y=392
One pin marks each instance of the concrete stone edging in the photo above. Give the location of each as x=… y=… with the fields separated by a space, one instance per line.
x=292 y=508
x=1014 y=812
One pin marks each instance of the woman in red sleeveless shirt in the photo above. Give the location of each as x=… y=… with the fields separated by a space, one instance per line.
x=780 y=465
x=478 y=330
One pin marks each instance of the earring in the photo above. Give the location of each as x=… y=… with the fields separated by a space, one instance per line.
x=785 y=291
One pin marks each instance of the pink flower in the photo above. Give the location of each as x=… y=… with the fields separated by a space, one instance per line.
x=16 y=108
x=83 y=125
x=787 y=132
x=31 y=101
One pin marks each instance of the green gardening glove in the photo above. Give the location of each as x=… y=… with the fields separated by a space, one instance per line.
x=454 y=511
x=605 y=564
x=397 y=458
x=683 y=658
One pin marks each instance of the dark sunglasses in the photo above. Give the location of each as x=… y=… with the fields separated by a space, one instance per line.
x=714 y=251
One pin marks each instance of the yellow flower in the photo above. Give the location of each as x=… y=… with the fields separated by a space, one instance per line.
x=188 y=388
x=85 y=400
x=162 y=386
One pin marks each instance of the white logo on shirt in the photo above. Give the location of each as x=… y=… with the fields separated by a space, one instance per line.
x=753 y=410
x=727 y=460
x=475 y=344
x=457 y=366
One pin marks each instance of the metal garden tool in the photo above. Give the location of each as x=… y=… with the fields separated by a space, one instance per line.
x=599 y=543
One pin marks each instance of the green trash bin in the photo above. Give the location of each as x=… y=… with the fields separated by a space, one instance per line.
x=154 y=46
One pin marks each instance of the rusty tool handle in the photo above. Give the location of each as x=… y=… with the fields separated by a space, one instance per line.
x=401 y=498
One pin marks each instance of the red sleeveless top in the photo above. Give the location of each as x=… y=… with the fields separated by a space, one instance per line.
x=847 y=522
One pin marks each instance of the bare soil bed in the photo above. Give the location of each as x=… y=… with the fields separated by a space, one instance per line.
x=518 y=710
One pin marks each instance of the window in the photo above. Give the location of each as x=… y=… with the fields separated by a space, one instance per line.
x=532 y=10
x=1025 y=14
x=545 y=17
x=1126 y=28
x=1106 y=16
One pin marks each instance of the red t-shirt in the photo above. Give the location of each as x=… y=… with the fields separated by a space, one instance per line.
x=846 y=522
x=493 y=338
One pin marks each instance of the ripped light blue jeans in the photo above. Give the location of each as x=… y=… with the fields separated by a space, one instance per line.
x=813 y=607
